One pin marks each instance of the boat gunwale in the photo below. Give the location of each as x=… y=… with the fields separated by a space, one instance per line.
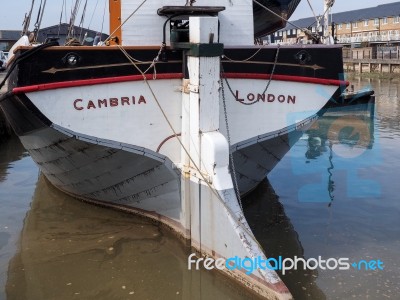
x=120 y=79
x=157 y=47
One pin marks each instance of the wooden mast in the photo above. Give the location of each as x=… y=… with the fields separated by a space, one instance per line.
x=115 y=22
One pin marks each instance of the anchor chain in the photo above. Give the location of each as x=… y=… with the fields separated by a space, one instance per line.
x=228 y=137
x=268 y=83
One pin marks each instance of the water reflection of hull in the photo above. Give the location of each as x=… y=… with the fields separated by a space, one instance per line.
x=11 y=150
x=68 y=249
x=342 y=133
x=352 y=126
x=275 y=232
x=5 y=129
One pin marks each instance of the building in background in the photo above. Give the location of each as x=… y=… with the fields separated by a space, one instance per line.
x=374 y=25
x=8 y=38
x=60 y=32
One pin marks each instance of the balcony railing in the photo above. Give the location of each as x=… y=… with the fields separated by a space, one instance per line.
x=351 y=40
x=372 y=53
x=372 y=38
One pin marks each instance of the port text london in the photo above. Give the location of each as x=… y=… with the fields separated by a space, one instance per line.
x=256 y=97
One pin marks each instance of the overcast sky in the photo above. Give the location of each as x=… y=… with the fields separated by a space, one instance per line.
x=12 y=11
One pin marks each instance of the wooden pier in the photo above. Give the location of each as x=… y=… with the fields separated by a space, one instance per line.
x=372 y=59
x=372 y=65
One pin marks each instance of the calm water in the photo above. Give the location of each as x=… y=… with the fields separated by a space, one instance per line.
x=335 y=194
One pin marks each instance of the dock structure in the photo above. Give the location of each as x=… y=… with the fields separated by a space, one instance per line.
x=372 y=59
x=372 y=65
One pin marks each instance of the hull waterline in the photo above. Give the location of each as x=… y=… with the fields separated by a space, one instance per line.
x=178 y=144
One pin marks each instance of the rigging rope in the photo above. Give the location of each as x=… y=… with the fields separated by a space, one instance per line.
x=228 y=137
x=74 y=12
x=94 y=11
x=312 y=9
x=196 y=167
x=279 y=16
x=304 y=30
x=39 y=21
x=27 y=20
x=268 y=83
x=246 y=59
x=61 y=15
x=320 y=17
x=126 y=20
x=82 y=20
x=38 y=16
x=102 y=22
x=239 y=216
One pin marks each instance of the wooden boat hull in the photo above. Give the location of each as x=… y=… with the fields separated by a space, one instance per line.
x=158 y=143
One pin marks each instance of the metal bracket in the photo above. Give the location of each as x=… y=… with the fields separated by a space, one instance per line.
x=193 y=88
x=190 y=171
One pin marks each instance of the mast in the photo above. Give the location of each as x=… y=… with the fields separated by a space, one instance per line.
x=115 y=21
x=327 y=10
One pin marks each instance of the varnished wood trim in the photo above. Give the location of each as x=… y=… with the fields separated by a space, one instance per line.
x=115 y=20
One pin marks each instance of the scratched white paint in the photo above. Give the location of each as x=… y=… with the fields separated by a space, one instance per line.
x=141 y=124
x=247 y=121
x=217 y=224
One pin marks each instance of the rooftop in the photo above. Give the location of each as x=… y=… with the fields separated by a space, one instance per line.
x=10 y=35
x=380 y=11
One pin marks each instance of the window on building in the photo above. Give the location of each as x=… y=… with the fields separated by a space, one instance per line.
x=366 y=23
x=396 y=19
x=384 y=21
x=355 y=24
x=348 y=26
x=280 y=33
x=313 y=29
x=340 y=26
x=376 y=21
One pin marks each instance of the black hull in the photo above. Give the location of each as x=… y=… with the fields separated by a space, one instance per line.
x=266 y=22
x=50 y=65
x=254 y=159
